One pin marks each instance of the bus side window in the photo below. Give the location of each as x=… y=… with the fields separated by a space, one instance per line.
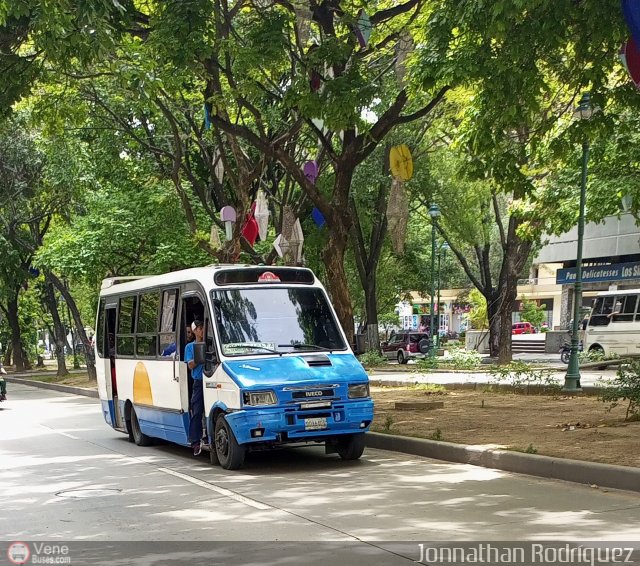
x=100 y=333
x=168 y=342
x=147 y=325
x=627 y=310
x=598 y=315
x=126 y=318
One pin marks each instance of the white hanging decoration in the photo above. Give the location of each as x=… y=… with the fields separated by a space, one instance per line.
x=218 y=167
x=288 y=244
x=403 y=48
x=262 y=215
x=304 y=15
x=398 y=215
x=214 y=238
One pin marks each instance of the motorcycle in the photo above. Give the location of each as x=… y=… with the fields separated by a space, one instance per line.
x=565 y=351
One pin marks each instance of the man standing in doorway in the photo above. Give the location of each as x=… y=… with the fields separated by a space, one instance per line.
x=197 y=399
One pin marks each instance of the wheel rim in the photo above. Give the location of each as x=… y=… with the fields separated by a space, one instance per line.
x=222 y=442
x=400 y=357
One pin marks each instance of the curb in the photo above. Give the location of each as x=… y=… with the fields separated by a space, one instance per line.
x=577 y=471
x=478 y=386
x=54 y=386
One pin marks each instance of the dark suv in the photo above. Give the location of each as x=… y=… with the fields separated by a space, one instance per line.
x=406 y=345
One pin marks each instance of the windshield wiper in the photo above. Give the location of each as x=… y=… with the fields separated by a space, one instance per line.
x=254 y=347
x=305 y=346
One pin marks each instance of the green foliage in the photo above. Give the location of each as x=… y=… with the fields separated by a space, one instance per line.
x=478 y=314
x=464 y=359
x=437 y=435
x=625 y=387
x=524 y=378
x=372 y=358
x=596 y=355
x=427 y=363
x=533 y=313
x=388 y=422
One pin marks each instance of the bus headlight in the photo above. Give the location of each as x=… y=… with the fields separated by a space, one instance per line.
x=358 y=390
x=255 y=398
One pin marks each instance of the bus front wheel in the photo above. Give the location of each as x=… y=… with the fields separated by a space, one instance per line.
x=139 y=437
x=352 y=447
x=230 y=453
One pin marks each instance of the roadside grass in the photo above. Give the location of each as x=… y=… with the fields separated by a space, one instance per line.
x=74 y=379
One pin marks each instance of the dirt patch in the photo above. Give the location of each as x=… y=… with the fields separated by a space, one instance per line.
x=578 y=427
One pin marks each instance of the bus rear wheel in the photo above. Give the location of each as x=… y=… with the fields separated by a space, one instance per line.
x=139 y=437
x=230 y=454
x=352 y=447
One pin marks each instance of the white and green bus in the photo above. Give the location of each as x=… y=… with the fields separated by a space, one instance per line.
x=614 y=323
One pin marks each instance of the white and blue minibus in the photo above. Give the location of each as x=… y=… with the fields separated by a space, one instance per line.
x=278 y=370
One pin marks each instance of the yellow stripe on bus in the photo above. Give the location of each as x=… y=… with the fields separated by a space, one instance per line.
x=141 y=386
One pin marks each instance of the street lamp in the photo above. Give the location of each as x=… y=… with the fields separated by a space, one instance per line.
x=442 y=251
x=584 y=111
x=434 y=212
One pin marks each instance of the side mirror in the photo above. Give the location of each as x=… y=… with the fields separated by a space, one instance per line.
x=210 y=359
x=210 y=362
x=384 y=344
x=199 y=353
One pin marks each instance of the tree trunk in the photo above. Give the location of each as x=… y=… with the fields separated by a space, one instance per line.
x=494 y=325
x=89 y=352
x=59 y=331
x=333 y=256
x=20 y=359
x=371 y=308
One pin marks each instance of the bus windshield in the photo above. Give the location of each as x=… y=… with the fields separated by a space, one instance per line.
x=275 y=320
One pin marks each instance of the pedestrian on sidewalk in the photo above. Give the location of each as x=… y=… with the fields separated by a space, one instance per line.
x=3 y=383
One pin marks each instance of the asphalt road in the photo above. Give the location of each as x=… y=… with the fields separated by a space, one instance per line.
x=66 y=476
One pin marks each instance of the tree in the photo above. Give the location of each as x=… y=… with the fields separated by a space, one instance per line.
x=533 y=313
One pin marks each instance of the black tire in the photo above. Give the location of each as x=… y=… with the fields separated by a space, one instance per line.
x=139 y=437
x=565 y=356
x=229 y=453
x=213 y=455
x=424 y=346
x=402 y=359
x=352 y=447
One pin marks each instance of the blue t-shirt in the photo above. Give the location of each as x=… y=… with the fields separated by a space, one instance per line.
x=196 y=372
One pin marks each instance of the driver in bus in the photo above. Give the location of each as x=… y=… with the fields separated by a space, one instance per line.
x=197 y=399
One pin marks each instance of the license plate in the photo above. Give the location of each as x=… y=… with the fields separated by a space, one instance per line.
x=317 y=423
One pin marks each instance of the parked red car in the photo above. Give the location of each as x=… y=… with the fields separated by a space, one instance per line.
x=406 y=345
x=523 y=328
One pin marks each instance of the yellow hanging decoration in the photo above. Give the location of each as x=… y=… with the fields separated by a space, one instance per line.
x=400 y=162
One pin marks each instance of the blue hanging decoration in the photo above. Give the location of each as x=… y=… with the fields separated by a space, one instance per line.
x=34 y=272
x=207 y=116
x=631 y=11
x=318 y=218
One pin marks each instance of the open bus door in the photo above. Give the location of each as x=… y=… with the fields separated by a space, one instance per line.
x=109 y=361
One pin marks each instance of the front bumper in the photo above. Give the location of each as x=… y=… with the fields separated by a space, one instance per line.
x=287 y=424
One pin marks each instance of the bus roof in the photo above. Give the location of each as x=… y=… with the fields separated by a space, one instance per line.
x=117 y=285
